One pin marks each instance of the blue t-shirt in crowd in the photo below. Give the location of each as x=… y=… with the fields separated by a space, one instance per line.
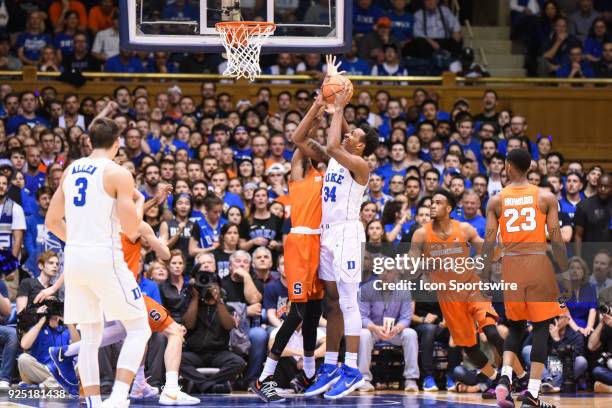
x=569 y=208
x=187 y=12
x=356 y=67
x=208 y=234
x=386 y=172
x=593 y=47
x=150 y=288
x=402 y=26
x=49 y=337
x=155 y=144
x=404 y=231
x=364 y=19
x=478 y=222
x=275 y=297
x=566 y=69
x=240 y=154
x=33 y=44
x=64 y=43
x=231 y=199
x=114 y=64
x=579 y=308
x=13 y=123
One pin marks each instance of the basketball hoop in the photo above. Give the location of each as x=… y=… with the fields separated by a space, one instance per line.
x=242 y=41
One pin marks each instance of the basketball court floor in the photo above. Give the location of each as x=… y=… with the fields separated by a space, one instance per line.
x=379 y=399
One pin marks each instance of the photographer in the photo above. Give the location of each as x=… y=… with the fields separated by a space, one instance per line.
x=49 y=331
x=243 y=287
x=566 y=344
x=48 y=264
x=601 y=339
x=209 y=322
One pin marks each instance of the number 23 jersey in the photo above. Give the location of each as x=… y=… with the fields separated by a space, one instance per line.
x=91 y=216
x=522 y=223
x=341 y=194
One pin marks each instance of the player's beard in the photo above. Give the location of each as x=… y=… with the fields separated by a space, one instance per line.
x=198 y=200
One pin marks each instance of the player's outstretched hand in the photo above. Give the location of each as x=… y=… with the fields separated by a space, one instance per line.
x=332 y=66
x=342 y=99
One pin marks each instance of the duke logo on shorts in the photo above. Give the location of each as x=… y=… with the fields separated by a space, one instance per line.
x=97 y=279
x=342 y=232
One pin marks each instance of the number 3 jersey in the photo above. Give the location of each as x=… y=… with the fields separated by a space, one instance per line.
x=342 y=195
x=91 y=216
x=522 y=224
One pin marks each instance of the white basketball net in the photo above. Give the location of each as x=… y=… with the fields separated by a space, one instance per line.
x=242 y=42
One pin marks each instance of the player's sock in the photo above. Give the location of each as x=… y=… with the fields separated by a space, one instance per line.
x=534 y=387
x=93 y=401
x=520 y=377
x=120 y=391
x=331 y=357
x=269 y=369
x=171 y=380
x=140 y=375
x=309 y=366
x=507 y=371
x=494 y=375
x=350 y=359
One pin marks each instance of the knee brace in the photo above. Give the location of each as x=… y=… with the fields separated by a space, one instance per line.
x=539 y=343
x=476 y=356
x=350 y=307
x=516 y=332
x=494 y=338
x=296 y=314
x=91 y=337
x=137 y=335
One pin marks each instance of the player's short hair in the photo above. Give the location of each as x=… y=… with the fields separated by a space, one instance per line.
x=103 y=133
x=519 y=158
x=450 y=197
x=371 y=139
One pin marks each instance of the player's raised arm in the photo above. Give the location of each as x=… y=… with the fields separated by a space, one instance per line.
x=554 y=228
x=121 y=181
x=309 y=146
x=492 y=225
x=355 y=163
x=54 y=220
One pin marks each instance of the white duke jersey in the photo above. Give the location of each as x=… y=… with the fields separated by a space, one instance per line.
x=342 y=195
x=91 y=216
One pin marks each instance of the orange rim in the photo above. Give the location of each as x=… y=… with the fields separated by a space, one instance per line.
x=251 y=26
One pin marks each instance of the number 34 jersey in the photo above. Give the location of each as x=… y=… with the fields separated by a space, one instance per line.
x=342 y=195
x=91 y=215
x=522 y=223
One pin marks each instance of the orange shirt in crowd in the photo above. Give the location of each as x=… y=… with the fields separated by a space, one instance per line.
x=99 y=21
x=55 y=11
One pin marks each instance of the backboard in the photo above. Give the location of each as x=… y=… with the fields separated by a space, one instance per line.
x=189 y=25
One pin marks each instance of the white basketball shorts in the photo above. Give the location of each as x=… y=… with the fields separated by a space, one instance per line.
x=341 y=258
x=99 y=286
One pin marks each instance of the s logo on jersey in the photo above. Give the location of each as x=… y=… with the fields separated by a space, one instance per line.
x=297 y=288
x=155 y=315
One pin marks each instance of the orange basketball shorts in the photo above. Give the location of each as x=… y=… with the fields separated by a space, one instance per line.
x=464 y=317
x=537 y=293
x=302 y=253
x=159 y=318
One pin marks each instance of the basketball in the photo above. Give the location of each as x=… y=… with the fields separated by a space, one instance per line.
x=334 y=85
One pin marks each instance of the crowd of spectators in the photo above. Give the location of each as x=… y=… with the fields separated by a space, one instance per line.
x=569 y=39
x=227 y=162
x=392 y=37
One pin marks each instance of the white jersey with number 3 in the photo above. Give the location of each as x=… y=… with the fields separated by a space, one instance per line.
x=91 y=216
x=342 y=195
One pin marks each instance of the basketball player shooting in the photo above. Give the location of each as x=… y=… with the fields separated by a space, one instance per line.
x=523 y=213
x=95 y=201
x=302 y=248
x=342 y=235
